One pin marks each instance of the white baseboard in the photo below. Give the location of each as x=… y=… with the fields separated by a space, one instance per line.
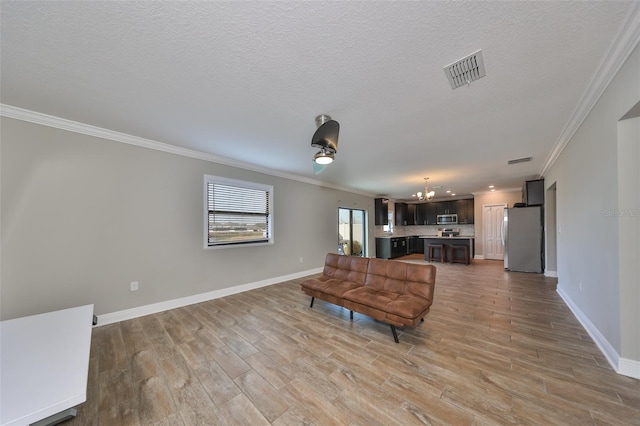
x=551 y=274
x=479 y=256
x=629 y=367
x=622 y=366
x=141 y=311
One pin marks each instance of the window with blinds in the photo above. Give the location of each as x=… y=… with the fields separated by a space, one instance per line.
x=237 y=212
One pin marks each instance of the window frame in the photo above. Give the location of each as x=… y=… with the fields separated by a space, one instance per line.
x=239 y=184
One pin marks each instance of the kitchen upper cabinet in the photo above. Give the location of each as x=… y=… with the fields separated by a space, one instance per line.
x=533 y=192
x=411 y=214
x=445 y=207
x=421 y=214
x=432 y=214
x=381 y=211
x=405 y=214
x=426 y=214
x=400 y=214
x=464 y=209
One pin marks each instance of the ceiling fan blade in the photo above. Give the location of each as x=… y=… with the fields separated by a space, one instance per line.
x=326 y=136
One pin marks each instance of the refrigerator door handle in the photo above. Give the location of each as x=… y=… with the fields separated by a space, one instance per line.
x=502 y=232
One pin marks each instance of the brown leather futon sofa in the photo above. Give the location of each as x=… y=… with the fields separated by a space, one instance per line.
x=397 y=293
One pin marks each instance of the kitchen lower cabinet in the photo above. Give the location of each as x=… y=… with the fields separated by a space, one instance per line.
x=414 y=245
x=390 y=248
x=447 y=243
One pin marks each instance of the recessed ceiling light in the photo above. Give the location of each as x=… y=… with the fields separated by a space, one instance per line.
x=448 y=192
x=453 y=194
x=493 y=190
x=491 y=186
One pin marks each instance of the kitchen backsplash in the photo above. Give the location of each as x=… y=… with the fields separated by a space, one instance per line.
x=431 y=230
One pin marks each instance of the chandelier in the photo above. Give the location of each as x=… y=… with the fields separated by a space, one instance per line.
x=426 y=195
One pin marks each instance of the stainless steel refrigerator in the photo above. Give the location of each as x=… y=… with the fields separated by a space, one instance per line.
x=522 y=236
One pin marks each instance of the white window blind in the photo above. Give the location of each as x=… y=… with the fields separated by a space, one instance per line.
x=237 y=212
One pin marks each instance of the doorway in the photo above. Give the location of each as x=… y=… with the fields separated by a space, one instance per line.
x=492 y=218
x=352 y=238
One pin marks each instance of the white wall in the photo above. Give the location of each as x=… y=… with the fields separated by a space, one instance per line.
x=82 y=217
x=587 y=185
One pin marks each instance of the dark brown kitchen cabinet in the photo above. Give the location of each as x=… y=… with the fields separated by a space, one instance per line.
x=533 y=192
x=421 y=214
x=400 y=214
x=426 y=214
x=414 y=243
x=381 y=211
x=411 y=214
x=390 y=248
x=405 y=214
x=383 y=248
x=464 y=209
x=432 y=214
x=445 y=207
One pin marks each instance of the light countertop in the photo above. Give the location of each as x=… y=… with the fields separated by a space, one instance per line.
x=459 y=237
x=435 y=237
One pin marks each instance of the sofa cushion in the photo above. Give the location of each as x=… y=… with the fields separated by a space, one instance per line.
x=347 y=268
x=332 y=286
x=402 y=305
x=402 y=278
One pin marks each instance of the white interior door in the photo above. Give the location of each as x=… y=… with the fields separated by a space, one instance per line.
x=492 y=217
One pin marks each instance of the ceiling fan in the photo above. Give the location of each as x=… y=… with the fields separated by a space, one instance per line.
x=325 y=138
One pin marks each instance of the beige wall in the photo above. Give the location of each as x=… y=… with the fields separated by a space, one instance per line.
x=588 y=191
x=629 y=236
x=82 y=217
x=480 y=200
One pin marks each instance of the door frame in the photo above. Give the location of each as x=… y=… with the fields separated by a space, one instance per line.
x=365 y=230
x=484 y=221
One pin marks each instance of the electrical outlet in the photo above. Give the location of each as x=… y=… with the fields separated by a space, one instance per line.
x=580 y=284
x=301 y=259
x=134 y=286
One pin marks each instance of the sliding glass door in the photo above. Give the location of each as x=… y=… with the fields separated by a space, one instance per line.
x=352 y=232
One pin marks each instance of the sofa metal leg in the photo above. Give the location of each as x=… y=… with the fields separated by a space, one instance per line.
x=312 y=299
x=351 y=314
x=421 y=319
x=395 y=335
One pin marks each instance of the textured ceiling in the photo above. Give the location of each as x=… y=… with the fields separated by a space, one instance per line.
x=245 y=81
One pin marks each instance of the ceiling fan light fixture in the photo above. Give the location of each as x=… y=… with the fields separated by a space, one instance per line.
x=325 y=138
x=324 y=157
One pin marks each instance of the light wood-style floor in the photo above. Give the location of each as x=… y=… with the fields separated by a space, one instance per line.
x=496 y=348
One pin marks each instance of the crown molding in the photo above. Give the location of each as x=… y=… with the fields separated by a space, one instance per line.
x=627 y=39
x=497 y=191
x=89 y=130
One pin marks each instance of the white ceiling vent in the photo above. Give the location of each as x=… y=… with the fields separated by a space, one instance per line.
x=468 y=69
x=519 y=160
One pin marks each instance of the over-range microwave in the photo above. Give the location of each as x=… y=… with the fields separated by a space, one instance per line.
x=447 y=219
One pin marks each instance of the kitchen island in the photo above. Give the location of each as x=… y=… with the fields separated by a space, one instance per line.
x=447 y=242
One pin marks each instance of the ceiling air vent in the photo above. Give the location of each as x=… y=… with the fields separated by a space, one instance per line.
x=466 y=70
x=519 y=160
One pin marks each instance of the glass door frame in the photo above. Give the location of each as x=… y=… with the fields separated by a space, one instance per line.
x=345 y=243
